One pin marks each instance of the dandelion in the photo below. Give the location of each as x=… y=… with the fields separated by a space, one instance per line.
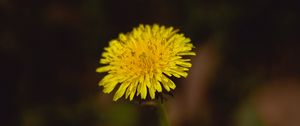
x=141 y=60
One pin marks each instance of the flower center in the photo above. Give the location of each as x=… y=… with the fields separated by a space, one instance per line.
x=144 y=59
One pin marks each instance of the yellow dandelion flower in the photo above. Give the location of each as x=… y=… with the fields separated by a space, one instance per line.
x=141 y=60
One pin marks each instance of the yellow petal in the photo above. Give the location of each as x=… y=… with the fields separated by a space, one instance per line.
x=106 y=79
x=171 y=84
x=187 y=53
x=109 y=87
x=120 y=92
x=178 y=72
x=152 y=92
x=133 y=90
x=184 y=64
x=122 y=37
x=103 y=69
x=143 y=91
x=167 y=83
x=147 y=81
x=158 y=86
x=130 y=89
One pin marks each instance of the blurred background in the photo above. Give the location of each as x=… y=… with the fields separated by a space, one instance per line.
x=246 y=72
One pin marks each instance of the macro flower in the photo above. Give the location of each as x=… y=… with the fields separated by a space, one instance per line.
x=141 y=61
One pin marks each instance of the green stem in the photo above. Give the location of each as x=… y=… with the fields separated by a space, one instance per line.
x=163 y=115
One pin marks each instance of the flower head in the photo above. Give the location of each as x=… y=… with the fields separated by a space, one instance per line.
x=141 y=60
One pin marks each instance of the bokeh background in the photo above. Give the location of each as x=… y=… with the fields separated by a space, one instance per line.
x=246 y=72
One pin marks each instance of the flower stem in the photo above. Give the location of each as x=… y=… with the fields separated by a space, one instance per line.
x=163 y=115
